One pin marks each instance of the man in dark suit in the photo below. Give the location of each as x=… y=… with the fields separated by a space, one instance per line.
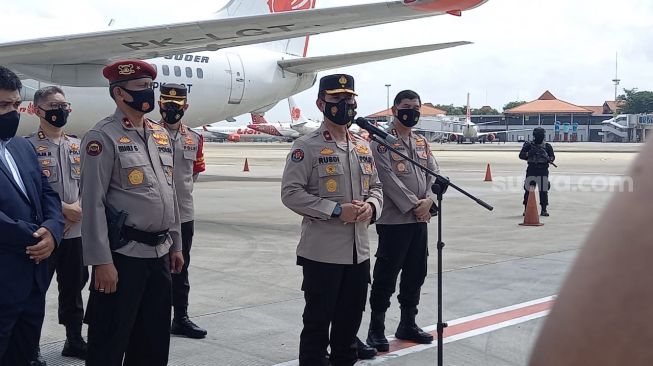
x=31 y=225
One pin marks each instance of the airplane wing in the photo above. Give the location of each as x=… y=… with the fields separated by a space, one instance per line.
x=314 y=64
x=480 y=134
x=161 y=40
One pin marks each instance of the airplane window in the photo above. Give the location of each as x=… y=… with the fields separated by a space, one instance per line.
x=166 y=70
x=200 y=73
x=177 y=71
x=189 y=72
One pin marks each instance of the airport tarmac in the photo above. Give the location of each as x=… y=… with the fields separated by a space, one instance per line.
x=499 y=277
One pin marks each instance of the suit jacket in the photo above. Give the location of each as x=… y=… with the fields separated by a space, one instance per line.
x=20 y=217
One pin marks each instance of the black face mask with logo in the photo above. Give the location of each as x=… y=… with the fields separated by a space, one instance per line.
x=9 y=124
x=171 y=114
x=57 y=117
x=340 y=113
x=408 y=117
x=143 y=100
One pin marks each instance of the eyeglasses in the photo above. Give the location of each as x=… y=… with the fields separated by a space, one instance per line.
x=56 y=105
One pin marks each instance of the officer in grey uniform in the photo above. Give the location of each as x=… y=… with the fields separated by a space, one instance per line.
x=402 y=227
x=330 y=179
x=59 y=158
x=131 y=231
x=187 y=146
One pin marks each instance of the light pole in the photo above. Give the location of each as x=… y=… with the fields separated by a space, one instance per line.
x=387 y=98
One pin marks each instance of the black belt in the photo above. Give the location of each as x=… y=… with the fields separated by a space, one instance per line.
x=151 y=239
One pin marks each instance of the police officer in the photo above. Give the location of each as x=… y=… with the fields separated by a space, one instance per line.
x=402 y=227
x=539 y=155
x=131 y=227
x=189 y=162
x=59 y=158
x=330 y=179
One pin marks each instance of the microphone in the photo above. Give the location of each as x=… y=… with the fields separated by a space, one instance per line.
x=373 y=130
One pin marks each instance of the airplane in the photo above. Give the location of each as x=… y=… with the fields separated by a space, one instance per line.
x=470 y=130
x=253 y=54
x=231 y=133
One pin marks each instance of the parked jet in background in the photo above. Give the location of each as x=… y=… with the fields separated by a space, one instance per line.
x=223 y=78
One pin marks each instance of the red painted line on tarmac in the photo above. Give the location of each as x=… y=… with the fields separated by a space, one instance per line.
x=398 y=344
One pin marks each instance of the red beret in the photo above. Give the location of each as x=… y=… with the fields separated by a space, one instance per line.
x=124 y=70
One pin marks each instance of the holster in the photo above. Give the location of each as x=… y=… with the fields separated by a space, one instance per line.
x=115 y=223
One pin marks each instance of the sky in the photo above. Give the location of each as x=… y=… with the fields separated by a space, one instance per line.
x=521 y=47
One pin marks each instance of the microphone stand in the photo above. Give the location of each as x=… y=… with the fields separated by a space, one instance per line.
x=439 y=188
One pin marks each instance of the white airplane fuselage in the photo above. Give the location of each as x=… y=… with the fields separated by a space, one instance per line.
x=221 y=84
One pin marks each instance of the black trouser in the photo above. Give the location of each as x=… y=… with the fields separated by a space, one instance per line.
x=180 y=284
x=135 y=320
x=537 y=176
x=72 y=275
x=401 y=248
x=335 y=295
x=20 y=328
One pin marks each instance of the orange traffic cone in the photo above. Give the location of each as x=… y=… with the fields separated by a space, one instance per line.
x=488 y=174
x=532 y=217
x=246 y=167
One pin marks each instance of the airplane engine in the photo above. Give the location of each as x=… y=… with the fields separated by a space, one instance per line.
x=453 y=138
x=490 y=137
x=234 y=137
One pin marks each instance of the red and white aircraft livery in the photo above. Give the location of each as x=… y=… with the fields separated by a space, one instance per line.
x=247 y=59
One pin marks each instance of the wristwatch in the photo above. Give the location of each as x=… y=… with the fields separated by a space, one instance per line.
x=337 y=211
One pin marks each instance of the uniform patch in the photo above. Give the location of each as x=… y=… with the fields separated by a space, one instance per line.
x=41 y=135
x=420 y=142
x=74 y=148
x=367 y=168
x=45 y=162
x=331 y=169
x=401 y=167
x=297 y=155
x=168 y=171
x=160 y=138
x=135 y=177
x=127 y=123
x=77 y=160
x=47 y=173
x=189 y=140
x=366 y=183
x=77 y=170
x=41 y=148
x=94 y=148
x=362 y=149
x=327 y=136
x=381 y=149
x=395 y=156
x=331 y=185
x=326 y=151
x=124 y=140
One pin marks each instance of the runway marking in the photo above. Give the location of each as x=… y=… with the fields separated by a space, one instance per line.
x=464 y=327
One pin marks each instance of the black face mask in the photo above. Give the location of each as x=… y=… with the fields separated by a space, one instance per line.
x=408 y=117
x=143 y=100
x=57 y=117
x=340 y=113
x=538 y=138
x=171 y=114
x=9 y=124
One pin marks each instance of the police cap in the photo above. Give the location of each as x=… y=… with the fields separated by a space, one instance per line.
x=174 y=93
x=337 y=83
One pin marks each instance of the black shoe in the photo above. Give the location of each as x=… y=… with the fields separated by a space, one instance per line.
x=365 y=352
x=39 y=361
x=409 y=331
x=376 y=334
x=75 y=347
x=544 y=213
x=183 y=326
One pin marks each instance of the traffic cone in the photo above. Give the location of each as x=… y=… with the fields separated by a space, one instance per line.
x=532 y=217
x=488 y=174
x=246 y=167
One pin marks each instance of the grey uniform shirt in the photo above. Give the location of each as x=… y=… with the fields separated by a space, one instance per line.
x=186 y=146
x=61 y=164
x=320 y=173
x=403 y=185
x=132 y=173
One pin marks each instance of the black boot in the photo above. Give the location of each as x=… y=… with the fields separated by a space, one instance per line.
x=365 y=352
x=375 y=335
x=182 y=325
x=75 y=345
x=544 y=211
x=408 y=330
x=38 y=359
